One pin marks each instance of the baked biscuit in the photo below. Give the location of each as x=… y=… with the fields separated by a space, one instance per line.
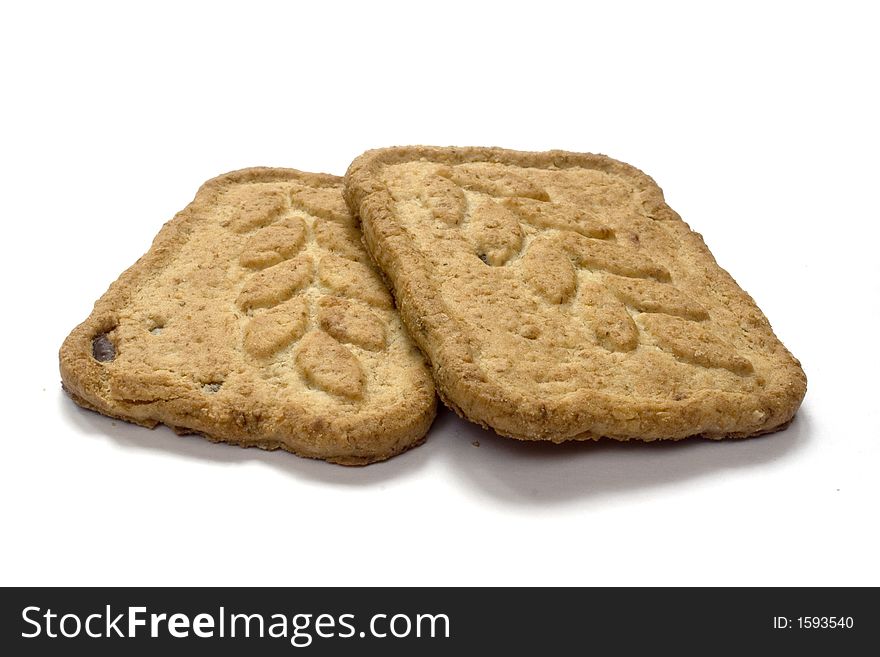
x=257 y=318
x=558 y=297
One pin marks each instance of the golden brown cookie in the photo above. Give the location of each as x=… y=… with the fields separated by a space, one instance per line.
x=557 y=297
x=257 y=318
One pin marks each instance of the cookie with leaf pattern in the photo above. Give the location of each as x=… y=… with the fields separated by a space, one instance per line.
x=257 y=318
x=558 y=297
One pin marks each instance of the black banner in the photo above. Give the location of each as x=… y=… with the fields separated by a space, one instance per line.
x=422 y=621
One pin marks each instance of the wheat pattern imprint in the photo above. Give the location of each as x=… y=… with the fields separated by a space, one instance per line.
x=627 y=294
x=309 y=288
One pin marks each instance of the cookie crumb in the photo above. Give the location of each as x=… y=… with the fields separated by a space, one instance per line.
x=476 y=443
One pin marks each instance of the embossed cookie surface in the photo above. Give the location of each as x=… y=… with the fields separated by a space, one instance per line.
x=558 y=297
x=256 y=318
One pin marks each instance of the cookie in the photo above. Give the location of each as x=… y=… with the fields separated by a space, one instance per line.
x=558 y=297
x=257 y=318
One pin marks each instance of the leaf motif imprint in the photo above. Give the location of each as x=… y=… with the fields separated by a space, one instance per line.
x=548 y=270
x=323 y=202
x=611 y=257
x=349 y=322
x=253 y=206
x=353 y=279
x=559 y=216
x=340 y=238
x=694 y=344
x=612 y=325
x=494 y=180
x=276 y=284
x=495 y=233
x=330 y=366
x=444 y=199
x=271 y=331
x=272 y=244
x=648 y=296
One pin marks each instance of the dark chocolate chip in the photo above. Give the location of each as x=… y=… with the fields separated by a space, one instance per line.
x=102 y=349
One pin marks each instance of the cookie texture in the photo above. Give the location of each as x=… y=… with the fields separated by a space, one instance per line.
x=257 y=318
x=558 y=297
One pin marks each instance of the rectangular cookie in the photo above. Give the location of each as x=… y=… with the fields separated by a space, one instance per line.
x=257 y=318
x=558 y=297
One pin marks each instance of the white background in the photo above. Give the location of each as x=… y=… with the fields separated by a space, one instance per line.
x=759 y=121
